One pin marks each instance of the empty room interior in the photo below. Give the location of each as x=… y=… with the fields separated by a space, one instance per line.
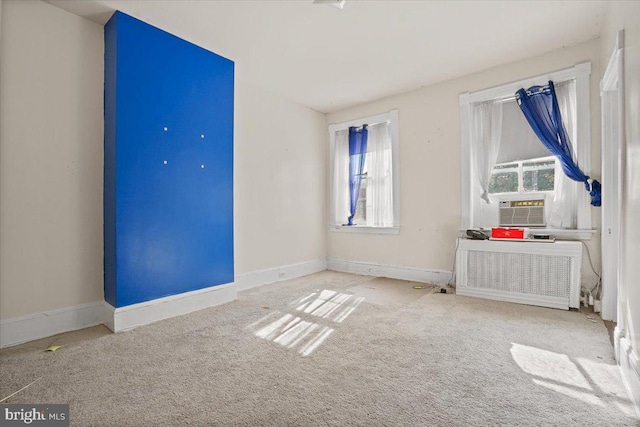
x=319 y=212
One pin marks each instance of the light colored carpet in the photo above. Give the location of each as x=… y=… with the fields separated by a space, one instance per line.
x=333 y=349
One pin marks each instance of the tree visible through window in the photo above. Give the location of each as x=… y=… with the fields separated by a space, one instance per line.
x=504 y=179
x=523 y=176
x=538 y=176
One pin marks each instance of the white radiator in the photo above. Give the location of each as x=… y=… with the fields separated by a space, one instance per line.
x=528 y=272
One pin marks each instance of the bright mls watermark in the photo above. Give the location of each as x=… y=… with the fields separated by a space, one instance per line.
x=34 y=415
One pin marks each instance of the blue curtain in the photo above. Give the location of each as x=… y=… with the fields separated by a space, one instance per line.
x=540 y=106
x=357 y=156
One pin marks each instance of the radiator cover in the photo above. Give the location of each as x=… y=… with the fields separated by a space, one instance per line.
x=528 y=272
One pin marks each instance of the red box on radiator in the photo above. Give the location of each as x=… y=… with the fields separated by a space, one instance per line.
x=507 y=233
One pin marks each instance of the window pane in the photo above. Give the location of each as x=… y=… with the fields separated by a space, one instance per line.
x=361 y=209
x=538 y=176
x=504 y=179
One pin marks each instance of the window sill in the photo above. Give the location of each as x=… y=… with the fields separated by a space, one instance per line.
x=365 y=229
x=559 y=233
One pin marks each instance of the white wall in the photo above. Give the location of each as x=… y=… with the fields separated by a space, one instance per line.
x=280 y=181
x=51 y=155
x=430 y=164
x=51 y=167
x=626 y=15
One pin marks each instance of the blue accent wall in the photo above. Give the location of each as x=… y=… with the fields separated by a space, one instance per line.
x=168 y=175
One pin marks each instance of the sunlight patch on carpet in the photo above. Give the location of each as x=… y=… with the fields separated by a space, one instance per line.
x=627 y=408
x=548 y=365
x=606 y=377
x=319 y=339
x=263 y=319
x=583 y=379
x=571 y=392
x=329 y=304
x=296 y=332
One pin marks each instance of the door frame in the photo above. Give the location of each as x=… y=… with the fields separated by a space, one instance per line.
x=612 y=144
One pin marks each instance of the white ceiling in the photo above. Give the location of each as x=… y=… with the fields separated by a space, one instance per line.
x=328 y=59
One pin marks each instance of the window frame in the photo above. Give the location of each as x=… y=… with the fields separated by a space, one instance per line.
x=581 y=73
x=392 y=118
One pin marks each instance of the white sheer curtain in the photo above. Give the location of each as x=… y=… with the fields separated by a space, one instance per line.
x=563 y=212
x=379 y=176
x=486 y=129
x=341 y=177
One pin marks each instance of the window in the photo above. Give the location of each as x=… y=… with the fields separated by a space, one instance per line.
x=538 y=175
x=522 y=165
x=377 y=203
x=505 y=179
x=535 y=175
x=360 y=217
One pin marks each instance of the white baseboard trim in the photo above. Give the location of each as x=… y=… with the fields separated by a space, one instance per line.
x=629 y=367
x=264 y=277
x=41 y=325
x=134 y=315
x=437 y=277
x=19 y=330
x=616 y=343
x=516 y=297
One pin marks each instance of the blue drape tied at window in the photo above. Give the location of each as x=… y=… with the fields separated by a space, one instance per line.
x=357 y=156
x=540 y=106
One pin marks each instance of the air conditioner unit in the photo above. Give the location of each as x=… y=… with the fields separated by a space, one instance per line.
x=522 y=212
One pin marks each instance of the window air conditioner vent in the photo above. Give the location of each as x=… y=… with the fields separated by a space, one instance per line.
x=522 y=213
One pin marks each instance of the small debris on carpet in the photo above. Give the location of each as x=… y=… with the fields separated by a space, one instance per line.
x=23 y=388
x=53 y=348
